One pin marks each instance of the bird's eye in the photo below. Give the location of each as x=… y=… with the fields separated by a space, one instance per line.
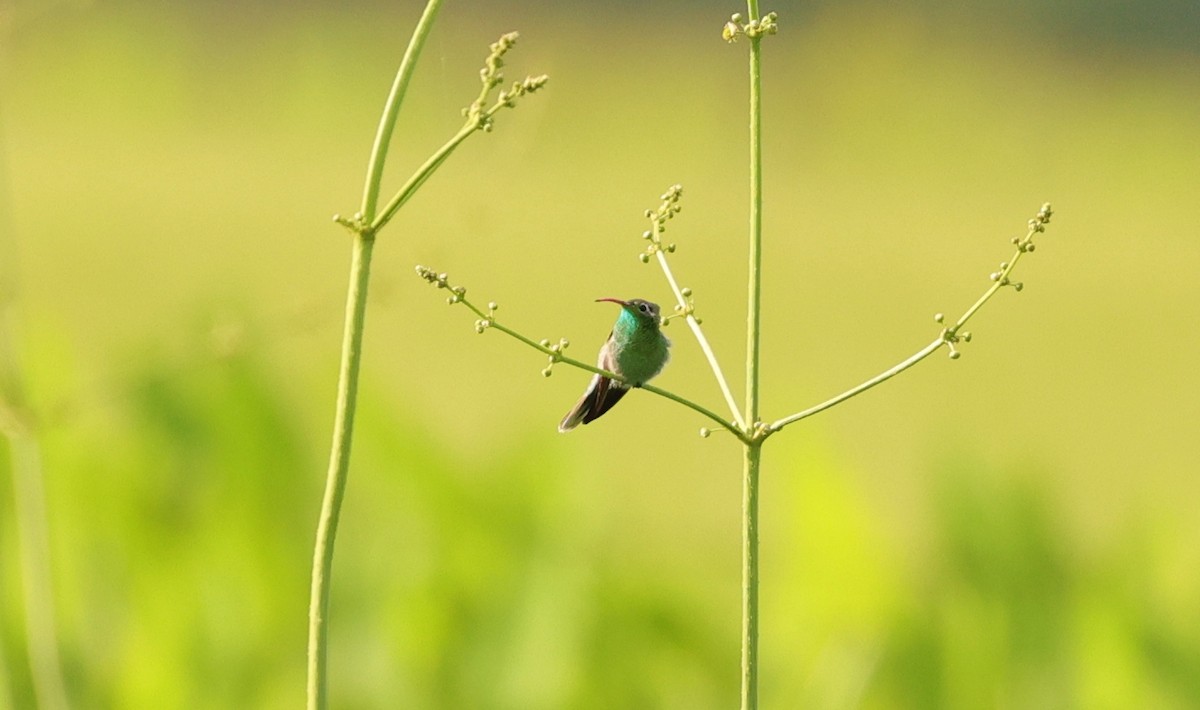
x=643 y=308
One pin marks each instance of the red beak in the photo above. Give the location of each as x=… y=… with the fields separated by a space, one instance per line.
x=613 y=300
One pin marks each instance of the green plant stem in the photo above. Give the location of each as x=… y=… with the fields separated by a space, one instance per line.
x=347 y=395
x=948 y=336
x=998 y=283
x=859 y=389
x=339 y=464
x=752 y=449
x=391 y=109
x=754 y=304
x=703 y=341
x=422 y=174
x=29 y=502
x=753 y=456
x=18 y=424
x=475 y=122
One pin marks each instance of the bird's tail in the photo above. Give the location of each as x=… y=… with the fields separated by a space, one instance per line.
x=602 y=393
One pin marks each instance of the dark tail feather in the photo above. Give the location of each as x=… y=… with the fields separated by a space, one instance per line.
x=602 y=393
x=612 y=394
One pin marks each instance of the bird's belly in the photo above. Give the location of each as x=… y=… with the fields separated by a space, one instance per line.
x=642 y=361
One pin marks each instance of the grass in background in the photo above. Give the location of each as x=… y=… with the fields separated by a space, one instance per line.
x=490 y=583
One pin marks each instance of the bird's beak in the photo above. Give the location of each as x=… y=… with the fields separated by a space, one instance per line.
x=613 y=300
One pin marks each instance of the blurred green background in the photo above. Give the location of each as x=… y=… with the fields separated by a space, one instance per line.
x=1014 y=529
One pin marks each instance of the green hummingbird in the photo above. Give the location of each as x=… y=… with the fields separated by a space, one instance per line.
x=636 y=350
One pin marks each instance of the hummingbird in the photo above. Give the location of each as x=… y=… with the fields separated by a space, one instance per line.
x=636 y=350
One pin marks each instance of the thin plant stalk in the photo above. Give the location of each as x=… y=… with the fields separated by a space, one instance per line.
x=365 y=225
x=948 y=337
x=339 y=465
x=859 y=389
x=19 y=425
x=703 y=341
x=752 y=458
x=409 y=188
x=753 y=448
x=351 y=358
x=387 y=123
x=33 y=541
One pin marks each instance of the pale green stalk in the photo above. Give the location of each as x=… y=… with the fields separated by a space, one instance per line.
x=29 y=501
x=949 y=336
x=18 y=424
x=418 y=178
x=391 y=109
x=859 y=389
x=750 y=468
x=339 y=466
x=753 y=448
x=479 y=117
x=347 y=394
x=703 y=341
x=33 y=544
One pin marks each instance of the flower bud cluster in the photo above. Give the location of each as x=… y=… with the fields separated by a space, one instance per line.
x=457 y=293
x=491 y=76
x=667 y=209
x=555 y=353
x=950 y=336
x=683 y=311
x=753 y=29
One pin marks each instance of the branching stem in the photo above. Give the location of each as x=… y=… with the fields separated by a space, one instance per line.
x=948 y=337
x=391 y=109
x=859 y=389
x=753 y=450
x=418 y=178
x=703 y=341
x=478 y=119
x=347 y=393
x=339 y=466
x=365 y=226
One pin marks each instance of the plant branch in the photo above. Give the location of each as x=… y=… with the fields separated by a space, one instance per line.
x=554 y=351
x=391 y=109
x=685 y=305
x=34 y=563
x=694 y=324
x=339 y=466
x=365 y=226
x=753 y=451
x=754 y=29
x=949 y=335
x=418 y=178
x=29 y=502
x=479 y=117
x=750 y=477
x=754 y=291
x=859 y=389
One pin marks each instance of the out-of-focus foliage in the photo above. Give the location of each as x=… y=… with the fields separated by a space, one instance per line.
x=1014 y=529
